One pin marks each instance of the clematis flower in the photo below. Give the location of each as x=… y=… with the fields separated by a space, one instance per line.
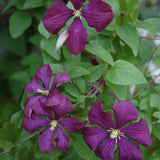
x=40 y=84
x=102 y=140
x=97 y=13
x=54 y=125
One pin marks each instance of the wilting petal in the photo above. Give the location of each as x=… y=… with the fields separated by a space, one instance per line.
x=125 y=112
x=97 y=116
x=77 y=37
x=105 y=149
x=44 y=73
x=33 y=123
x=62 y=140
x=55 y=98
x=61 y=39
x=128 y=150
x=46 y=141
x=98 y=14
x=56 y=16
x=63 y=108
x=77 y=3
x=93 y=136
x=71 y=124
x=58 y=79
x=139 y=132
x=34 y=85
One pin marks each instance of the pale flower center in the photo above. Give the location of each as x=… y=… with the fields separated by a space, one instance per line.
x=53 y=124
x=77 y=13
x=115 y=133
x=44 y=93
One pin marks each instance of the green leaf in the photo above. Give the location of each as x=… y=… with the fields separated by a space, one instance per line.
x=155 y=22
x=125 y=73
x=21 y=76
x=129 y=35
x=156 y=114
x=48 y=46
x=100 y=52
x=76 y=71
x=56 y=68
x=9 y=132
x=81 y=84
x=32 y=4
x=43 y=31
x=18 y=23
x=24 y=153
x=96 y=73
x=72 y=90
x=154 y=100
x=120 y=91
x=144 y=104
x=82 y=149
x=156 y=130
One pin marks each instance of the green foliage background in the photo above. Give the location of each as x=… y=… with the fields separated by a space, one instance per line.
x=123 y=58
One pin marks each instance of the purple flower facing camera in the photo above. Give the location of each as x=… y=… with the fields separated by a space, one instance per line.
x=97 y=13
x=102 y=140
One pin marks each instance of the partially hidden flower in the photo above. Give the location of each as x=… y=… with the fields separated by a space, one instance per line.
x=102 y=140
x=41 y=84
x=53 y=125
x=97 y=13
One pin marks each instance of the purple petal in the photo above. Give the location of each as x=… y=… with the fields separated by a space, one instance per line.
x=55 y=98
x=98 y=14
x=44 y=73
x=63 y=108
x=77 y=38
x=139 y=132
x=34 y=85
x=34 y=105
x=46 y=141
x=93 y=136
x=77 y=3
x=56 y=16
x=105 y=149
x=97 y=116
x=128 y=150
x=33 y=123
x=62 y=140
x=72 y=125
x=125 y=112
x=58 y=79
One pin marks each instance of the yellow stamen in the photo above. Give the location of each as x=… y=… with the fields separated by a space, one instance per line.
x=77 y=13
x=115 y=133
x=45 y=92
x=53 y=124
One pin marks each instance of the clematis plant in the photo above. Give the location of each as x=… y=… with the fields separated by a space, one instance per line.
x=102 y=140
x=97 y=13
x=41 y=82
x=53 y=125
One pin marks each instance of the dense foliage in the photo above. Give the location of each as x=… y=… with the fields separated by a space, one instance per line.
x=120 y=63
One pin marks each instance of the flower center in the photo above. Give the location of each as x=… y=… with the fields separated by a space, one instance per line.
x=115 y=133
x=45 y=92
x=53 y=124
x=77 y=13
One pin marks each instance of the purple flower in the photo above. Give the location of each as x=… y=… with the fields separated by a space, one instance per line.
x=102 y=140
x=54 y=125
x=97 y=13
x=40 y=84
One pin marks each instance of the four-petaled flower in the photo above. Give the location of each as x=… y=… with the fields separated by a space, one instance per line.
x=97 y=13
x=54 y=125
x=102 y=140
x=40 y=84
